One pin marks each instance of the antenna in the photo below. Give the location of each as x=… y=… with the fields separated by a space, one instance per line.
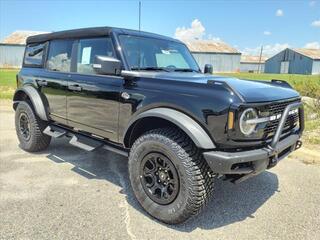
x=139 y=57
x=139 y=15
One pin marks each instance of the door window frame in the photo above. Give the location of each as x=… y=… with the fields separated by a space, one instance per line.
x=75 y=56
x=45 y=65
x=44 y=56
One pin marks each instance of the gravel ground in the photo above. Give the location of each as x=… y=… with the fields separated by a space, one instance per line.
x=66 y=193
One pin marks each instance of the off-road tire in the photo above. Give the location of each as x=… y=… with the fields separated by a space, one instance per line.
x=196 y=182
x=37 y=141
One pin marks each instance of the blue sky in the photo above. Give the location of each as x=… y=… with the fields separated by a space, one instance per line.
x=243 y=24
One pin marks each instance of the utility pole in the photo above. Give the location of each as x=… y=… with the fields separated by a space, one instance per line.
x=139 y=15
x=260 y=58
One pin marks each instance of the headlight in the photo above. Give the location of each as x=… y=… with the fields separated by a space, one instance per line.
x=248 y=127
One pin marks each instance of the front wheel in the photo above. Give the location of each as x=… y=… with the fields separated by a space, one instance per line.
x=169 y=176
x=29 y=128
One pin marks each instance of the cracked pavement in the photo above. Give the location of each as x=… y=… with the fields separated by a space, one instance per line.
x=67 y=193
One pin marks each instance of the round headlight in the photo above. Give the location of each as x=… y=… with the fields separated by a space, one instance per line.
x=246 y=127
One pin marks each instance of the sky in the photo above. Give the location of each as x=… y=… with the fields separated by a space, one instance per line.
x=245 y=25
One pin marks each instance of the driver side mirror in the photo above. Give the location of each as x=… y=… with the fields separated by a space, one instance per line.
x=208 y=69
x=107 y=65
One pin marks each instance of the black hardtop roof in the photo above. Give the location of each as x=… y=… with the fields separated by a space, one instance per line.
x=92 y=32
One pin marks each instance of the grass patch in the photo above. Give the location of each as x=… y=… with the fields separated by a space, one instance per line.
x=7 y=83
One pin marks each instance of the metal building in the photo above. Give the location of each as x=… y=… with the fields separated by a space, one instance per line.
x=252 y=64
x=295 y=61
x=12 y=49
x=222 y=57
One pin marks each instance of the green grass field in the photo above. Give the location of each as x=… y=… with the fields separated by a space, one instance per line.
x=7 y=83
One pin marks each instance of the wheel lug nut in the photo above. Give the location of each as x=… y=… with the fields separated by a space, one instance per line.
x=165 y=171
x=168 y=179
x=160 y=168
x=158 y=181
x=157 y=173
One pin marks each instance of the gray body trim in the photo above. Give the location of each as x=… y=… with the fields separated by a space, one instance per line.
x=198 y=135
x=35 y=99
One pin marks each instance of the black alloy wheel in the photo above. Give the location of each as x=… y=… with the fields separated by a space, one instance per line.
x=24 y=126
x=159 y=178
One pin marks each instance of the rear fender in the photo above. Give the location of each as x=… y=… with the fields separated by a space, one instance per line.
x=35 y=98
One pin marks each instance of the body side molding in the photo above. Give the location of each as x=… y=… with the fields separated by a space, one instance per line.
x=35 y=98
x=198 y=135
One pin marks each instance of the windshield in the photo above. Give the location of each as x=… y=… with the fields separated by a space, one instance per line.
x=143 y=53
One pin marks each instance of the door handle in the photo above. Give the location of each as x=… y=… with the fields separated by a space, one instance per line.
x=75 y=87
x=42 y=82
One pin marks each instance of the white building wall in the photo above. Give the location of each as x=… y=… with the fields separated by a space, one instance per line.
x=251 y=67
x=11 y=56
x=220 y=62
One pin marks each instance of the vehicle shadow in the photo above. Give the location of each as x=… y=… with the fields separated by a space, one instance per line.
x=231 y=203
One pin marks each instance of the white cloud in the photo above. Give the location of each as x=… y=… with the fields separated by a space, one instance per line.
x=315 y=45
x=312 y=3
x=316 y=23
x=267 y=33
x=268 y=50
x=196 y=31
x=279 y=13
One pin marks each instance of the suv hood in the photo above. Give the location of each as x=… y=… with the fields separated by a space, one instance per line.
x=249 y=90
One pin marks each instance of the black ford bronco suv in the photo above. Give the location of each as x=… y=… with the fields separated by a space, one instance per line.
x=143 y=95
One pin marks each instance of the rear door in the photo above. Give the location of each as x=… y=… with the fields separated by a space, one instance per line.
x=54 y=78
x=93 y=99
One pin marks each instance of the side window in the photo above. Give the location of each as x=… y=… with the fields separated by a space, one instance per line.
x=88 y=49
x=34 y=54
x=59 y=57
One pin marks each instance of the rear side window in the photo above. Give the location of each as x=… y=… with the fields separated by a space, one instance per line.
x=88 y=49
x=34 y=54
x=59 y=56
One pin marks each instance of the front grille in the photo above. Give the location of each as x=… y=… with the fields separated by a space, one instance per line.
x=278 y=108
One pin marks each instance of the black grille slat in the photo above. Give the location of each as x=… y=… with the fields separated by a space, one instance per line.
x=275 y=109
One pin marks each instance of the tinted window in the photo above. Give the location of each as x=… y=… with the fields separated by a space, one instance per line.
x=88 y=49
x=34 y=54
x=59 y=57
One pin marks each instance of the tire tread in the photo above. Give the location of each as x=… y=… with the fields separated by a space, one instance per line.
x=199 y=179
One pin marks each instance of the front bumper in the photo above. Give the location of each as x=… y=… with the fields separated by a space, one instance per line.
x=252 y=162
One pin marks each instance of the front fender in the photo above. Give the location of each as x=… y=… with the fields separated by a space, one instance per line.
x=35 y=99
x=198 y=135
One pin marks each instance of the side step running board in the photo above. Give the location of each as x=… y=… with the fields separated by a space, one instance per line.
x=81 y=141
x=85 y=143
x=54 y=131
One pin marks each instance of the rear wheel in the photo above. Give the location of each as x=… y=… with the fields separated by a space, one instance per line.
x=29 y=128
x=169 y=176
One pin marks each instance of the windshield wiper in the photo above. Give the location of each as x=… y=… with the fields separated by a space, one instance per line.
x=185 y=70
x=151 y=69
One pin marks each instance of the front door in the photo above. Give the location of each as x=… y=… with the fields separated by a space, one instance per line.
x=92 y=99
